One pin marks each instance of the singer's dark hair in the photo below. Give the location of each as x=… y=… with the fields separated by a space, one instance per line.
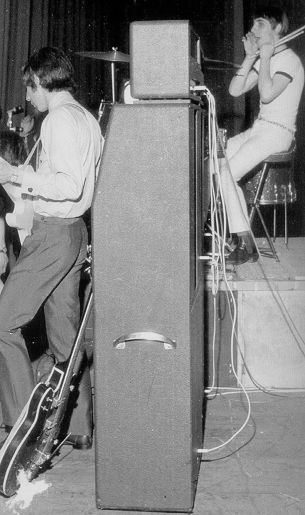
x=53 y=68
x=275 y=15
x=12 y=147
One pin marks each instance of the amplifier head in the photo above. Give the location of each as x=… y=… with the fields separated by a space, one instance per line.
x=165 y=59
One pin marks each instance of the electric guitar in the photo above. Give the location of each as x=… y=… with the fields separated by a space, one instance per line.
x=30 y=444
x=22 y=216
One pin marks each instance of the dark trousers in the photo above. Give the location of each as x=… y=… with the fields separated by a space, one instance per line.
x=46 y=272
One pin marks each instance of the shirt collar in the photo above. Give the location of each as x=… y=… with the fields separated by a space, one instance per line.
x=59 y=98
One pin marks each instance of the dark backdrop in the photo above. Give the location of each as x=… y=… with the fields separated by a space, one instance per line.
x=99 y=25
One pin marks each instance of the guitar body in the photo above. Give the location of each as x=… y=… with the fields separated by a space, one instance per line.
x=22 y=216
x=19 y=447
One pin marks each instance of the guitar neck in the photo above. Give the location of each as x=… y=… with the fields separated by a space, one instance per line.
x=76 y=348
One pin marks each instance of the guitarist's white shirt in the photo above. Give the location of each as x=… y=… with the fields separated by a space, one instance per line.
x=71 y=143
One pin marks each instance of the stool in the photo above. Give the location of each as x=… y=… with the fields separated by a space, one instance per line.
x=272 y=185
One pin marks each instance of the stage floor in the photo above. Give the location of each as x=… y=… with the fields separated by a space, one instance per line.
x=291 y=265
x=261 y=472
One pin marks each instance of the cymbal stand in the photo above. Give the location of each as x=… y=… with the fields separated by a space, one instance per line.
x=113 y=80
x=101 y=110
x=113 y=56
x=113 y=73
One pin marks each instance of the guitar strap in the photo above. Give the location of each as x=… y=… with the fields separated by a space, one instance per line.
x=30 y=155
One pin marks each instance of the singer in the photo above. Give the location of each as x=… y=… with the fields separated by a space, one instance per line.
x=279 y=75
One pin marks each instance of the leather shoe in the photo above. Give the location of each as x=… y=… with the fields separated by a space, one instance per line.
x=240 y=256
x=253 y=257
x=81 y=442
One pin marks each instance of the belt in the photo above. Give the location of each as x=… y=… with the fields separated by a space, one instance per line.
x=276 y=123
x=55 y=220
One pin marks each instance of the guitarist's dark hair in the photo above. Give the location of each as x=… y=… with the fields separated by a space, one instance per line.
x=53 y=68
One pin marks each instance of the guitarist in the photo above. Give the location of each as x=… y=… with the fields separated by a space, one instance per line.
x=48 y=268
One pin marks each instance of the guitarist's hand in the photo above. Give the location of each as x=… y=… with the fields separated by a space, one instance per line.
x=7 y=171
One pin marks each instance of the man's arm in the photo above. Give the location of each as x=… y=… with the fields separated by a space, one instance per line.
x=245 y=78
x=269 y=87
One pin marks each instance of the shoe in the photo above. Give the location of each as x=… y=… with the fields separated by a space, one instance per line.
x=239 y=256
x=81 y=442
x=253 y=257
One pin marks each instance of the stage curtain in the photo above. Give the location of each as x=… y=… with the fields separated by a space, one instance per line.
x=79 y=25
x=22 y=26
x=14 y=41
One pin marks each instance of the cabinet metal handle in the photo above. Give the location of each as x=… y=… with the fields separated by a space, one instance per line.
x=120 y=343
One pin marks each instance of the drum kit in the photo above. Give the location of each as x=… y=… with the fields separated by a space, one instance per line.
x=114 y=57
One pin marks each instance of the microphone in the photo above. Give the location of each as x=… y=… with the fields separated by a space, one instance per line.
x=10 y=113
x=15 y=110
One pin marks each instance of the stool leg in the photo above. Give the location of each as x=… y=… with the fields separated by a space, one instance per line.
x=272 y=248
x=274 y=222
x=259 y=191
x=256 y=208
x=286 y=224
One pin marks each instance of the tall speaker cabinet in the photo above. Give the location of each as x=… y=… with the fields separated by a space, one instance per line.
x=148 y=307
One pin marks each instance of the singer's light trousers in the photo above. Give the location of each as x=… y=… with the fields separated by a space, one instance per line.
x=244 y=152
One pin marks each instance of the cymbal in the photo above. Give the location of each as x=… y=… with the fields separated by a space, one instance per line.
x=113 y=55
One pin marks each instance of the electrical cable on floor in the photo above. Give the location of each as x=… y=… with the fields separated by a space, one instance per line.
x=234 y=390
x=217 y=262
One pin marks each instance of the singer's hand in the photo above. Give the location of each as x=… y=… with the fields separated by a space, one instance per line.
x=250 y=44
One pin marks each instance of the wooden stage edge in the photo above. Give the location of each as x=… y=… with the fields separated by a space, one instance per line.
x=269 y=343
